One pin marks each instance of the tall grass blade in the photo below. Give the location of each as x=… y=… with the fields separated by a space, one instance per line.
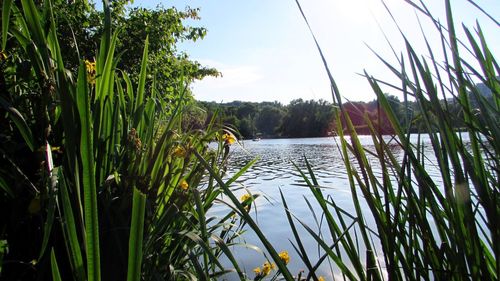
x=20 y=123
x=6 y=7
x=248 y=219
x=70 y=230
x=34 y=23
x=88 y=178
x=135 y=253
x=139 y=99
x=335 y=91
x=225 y=249
x=301 y=249
x=56 y=276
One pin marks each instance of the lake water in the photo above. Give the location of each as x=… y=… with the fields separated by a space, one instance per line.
x=274 y=171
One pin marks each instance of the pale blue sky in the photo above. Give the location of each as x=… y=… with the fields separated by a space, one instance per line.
x=265 y=52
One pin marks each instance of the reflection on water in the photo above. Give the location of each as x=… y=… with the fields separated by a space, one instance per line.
x=276 y=158
x=274 y=171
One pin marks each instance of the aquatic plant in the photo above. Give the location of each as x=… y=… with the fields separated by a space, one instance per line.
x=102 y=181
x=425 y=227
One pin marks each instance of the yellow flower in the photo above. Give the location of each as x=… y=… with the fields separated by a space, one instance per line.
x=245 y=197
x=256 y=270
x=179 y=151
x=266 y=268
x=228 y=138
x=91 y=71
x=321 y=278
x=184 y=185
x=284 y=257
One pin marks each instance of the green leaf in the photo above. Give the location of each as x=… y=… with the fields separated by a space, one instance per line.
x=6 y=5
x=20 y=123
x=33 y=20
x=88 y=178
x=56 y=276
x=6 y=187
x=136 y=236
x=248 y=219
x=139 y=100
x=70 y=231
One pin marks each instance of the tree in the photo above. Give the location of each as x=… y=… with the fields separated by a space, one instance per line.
x=246 y=128
x=79 y=21
x=165 y=29
x=268 y=120
x=308 y=119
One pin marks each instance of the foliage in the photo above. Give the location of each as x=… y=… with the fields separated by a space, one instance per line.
x=269 y=120
x=308 y=118
x=272 y=119
x=317 y=118
x=103 y=177
x=80 y=21
x=425 y=228
x=98 y=180
x=165 y=29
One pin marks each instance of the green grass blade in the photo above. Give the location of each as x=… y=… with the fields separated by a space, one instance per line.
x=200 y=273
x=56 y=276
x=70 y=230
x=139 y=98
x=33 y=21
x=6 y=5
x=203 y=227
x=105 y=73
x=136 y=236
x=88 y=178
x=225 y=249
x=241 y=172
x=328 y=249
x=6 y=188
x=335 y=91
x=301 y=249
x=248 y=219
x=105 y=38
x=142 y=76
x=206 y=249
x=20 y=123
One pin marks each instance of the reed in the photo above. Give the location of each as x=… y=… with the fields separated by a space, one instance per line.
x=120 y=189
x=111 y=186
x=426 y=228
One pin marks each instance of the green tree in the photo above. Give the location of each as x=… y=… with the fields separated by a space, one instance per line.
x=246 y=128
x=80 y=21
x=307 y=119
x=165 y=28
x=246 y=110
x=269 y=119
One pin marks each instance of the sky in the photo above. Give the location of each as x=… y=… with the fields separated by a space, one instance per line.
x=265 y=52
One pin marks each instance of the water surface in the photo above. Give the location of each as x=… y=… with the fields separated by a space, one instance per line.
x=274 y=171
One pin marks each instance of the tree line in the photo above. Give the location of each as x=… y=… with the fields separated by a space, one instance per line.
x=310 y=118
x=300 y=118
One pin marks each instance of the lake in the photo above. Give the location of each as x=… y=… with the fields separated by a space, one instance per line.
x=274 y=171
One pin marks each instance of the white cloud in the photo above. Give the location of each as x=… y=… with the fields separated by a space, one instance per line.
x=227 y=87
